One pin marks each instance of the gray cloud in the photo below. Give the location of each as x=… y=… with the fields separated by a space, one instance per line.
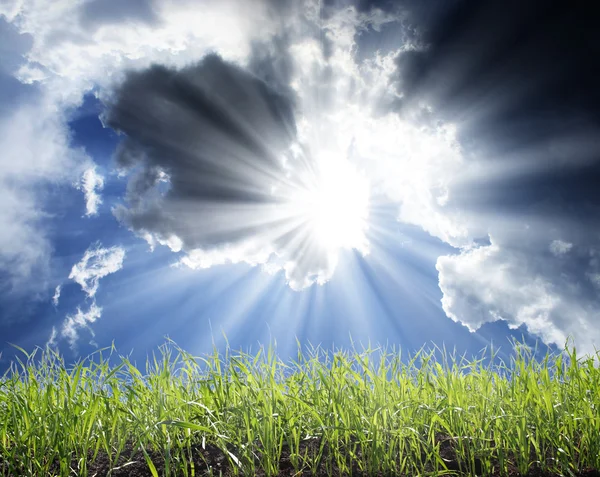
x=216 y=132
x=559 y=247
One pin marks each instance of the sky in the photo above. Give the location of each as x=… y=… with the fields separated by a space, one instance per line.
x=328 y=172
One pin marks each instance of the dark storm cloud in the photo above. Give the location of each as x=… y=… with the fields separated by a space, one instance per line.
x=541 y=54
x=217 y=131
x=521 y=79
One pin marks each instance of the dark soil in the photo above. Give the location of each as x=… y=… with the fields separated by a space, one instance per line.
x=132 y=463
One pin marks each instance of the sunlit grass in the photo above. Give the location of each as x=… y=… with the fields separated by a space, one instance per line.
x=364 y=414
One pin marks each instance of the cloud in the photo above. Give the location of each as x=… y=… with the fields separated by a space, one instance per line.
x=14 y=46
x=35 y=155
x=96 y=263
x=80 y=320
x=558 y=247
x=51 y=343
x=56 y=296
x=214 y=130
x=91 y=184
x=484 y=284
x=498 y=282
x=79 y=44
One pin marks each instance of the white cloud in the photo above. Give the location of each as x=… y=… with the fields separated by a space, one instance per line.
x=299 y=274
x=76 y=55
x=414 y=168
x=96 y=263
x=56 y=296
x=243 y=253
x=91 y=184
x=35 y=153
x=81 y=319
x=500 y=281
x=52 y=339
x=173 y=242
x=559 y=247
x=24 y=249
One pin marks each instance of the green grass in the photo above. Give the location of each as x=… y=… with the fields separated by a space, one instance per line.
x=382 y=414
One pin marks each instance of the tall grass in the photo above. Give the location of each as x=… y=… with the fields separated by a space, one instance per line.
x=427 y=415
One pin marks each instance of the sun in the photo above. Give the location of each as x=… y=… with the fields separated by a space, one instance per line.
x=334 y=205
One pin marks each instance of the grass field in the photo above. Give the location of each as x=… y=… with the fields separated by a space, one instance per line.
x=326 y=413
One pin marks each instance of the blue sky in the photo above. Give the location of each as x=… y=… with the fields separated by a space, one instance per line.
x=388 y=172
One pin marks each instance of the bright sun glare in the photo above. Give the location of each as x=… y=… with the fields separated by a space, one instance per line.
x=335 y=206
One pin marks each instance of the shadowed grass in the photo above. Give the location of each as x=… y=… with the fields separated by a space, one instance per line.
x=422 y=416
